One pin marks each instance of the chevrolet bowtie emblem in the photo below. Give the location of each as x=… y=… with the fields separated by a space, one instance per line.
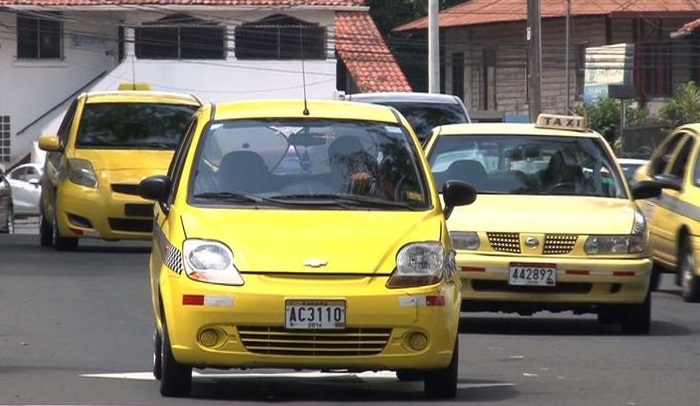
x=532 y=242
x=315 y=263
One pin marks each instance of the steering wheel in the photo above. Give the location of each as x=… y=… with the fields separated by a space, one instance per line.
x=561 y=185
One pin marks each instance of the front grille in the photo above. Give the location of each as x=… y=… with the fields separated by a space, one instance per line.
x=138 y=210
x=504 y=242
x=559 y=243
x=344 y=343
x=125 y=188
x=131 y=225
x=503 y=286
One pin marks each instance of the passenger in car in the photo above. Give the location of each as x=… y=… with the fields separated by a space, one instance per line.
x=352 y=168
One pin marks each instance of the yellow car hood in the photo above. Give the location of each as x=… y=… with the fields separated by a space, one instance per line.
x=129 y=160
x=332 y=241
x=545 y=214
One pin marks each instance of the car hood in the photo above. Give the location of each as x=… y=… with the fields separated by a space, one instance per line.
x=146 y=161
x=308 y=241
x=545 y=214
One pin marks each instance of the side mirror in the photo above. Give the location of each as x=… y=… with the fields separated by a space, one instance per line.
x=457 y=193
x=646 y=189
x=155 y=188
x=49 y=143
x=669 y=182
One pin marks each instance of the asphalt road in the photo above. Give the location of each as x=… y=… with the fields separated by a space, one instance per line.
x=75 y=329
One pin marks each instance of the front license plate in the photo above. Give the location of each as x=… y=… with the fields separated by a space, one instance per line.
x=529 y=274
x=314 y=314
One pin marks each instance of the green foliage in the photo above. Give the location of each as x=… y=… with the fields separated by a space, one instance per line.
x=603 y=116
x=683 y=108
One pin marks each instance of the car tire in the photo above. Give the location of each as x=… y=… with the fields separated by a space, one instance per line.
x=637 y=318
x=689 y=281
x=157 y=354
x=655 y=279
x=410 y=375
x=442 y=383
x=59 y=242
x=175 y=379
x=45 y=232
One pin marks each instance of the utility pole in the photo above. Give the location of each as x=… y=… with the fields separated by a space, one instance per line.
x=568 y=72
x=433 y=47
x=534 y=39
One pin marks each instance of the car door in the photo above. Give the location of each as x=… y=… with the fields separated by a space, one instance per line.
x=656 y=210
x=22 y=191
x=54 y=162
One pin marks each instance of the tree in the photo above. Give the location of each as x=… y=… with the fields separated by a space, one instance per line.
x=683 y=108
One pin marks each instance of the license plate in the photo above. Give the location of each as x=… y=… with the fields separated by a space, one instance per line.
x=525 y=274
x=314 y=314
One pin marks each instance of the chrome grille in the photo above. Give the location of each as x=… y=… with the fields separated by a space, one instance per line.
x=504 y=242
x=559 y=243
x=347 y=342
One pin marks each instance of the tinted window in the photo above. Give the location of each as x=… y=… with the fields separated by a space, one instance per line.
x=424 y=116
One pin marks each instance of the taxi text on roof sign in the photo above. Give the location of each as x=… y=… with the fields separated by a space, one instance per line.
x=561 y=122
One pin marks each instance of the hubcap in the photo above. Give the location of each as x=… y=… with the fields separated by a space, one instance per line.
x=687 y=272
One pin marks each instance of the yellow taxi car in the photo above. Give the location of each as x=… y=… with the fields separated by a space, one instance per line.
x=302 y=237
x=106 y=144
x=555 y=226
x=674 y=217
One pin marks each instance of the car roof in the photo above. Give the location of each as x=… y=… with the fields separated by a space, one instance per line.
x=149 y=96
x=294 y=108
x=510 y=129
x=409 y=97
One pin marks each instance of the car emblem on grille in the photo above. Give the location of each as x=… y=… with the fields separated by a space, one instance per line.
x=532 y=242
x=315 y=262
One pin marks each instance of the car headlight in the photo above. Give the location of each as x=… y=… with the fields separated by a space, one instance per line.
x=419 y=264
x=465 y=240
x=210 y=261
x=81 y=173
x=615 y=244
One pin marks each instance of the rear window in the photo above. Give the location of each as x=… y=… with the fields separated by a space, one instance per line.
x=424 y=116
x=133 y=125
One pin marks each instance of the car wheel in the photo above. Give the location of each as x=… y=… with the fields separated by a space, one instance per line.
x=442 y=383
x=637 y=318
x=59 y=242
x=157 y=354
x=410 y=375
x=175 y=379
x=690 y=282
x=655 y=279
x=45 y=232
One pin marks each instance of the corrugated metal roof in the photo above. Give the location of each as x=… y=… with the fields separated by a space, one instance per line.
x=261 y=3
x=366 y=55
x=496 y=11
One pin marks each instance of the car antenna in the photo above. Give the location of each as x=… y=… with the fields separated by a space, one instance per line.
x=303 y=70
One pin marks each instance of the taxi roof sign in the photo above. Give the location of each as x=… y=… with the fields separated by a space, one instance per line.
x=561 y=122
x=134 y=86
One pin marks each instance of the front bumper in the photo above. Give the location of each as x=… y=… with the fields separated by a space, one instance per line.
x=580 y=282
x=100 y=213
x=244 y=327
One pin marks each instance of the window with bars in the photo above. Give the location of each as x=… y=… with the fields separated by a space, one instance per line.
x=280 y=38
x=180 y=36
x=39 y=38
x=5 y=138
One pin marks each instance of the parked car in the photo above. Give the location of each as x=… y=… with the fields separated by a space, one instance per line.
x=7 y=216
x=107 y=143
x=674 y=217
x=630 y=165
x=25 y=180
x=555 y=226
x=340 y=263
x=423 y=110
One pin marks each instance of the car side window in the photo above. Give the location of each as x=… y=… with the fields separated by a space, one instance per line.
x=177 y=163
x=680 y=163
x=663 y=155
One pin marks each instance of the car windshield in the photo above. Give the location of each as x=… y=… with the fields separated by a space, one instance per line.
x=424 y=116
x=309 y=163
x=133 y=125
x=629 y=169
x=527 y=164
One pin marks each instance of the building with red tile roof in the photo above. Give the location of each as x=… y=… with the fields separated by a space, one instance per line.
x=686 y=29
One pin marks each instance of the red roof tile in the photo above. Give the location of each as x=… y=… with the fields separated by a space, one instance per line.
x=367 y=57
x=332 y=3
x=494 y=11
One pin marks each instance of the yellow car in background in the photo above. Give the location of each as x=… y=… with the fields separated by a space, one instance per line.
x=555 y=226
x=106 y=144
x=303 y=236
x=674 y=217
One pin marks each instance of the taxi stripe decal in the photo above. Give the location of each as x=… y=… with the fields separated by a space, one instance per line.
x=678 y=206
x=172 y=257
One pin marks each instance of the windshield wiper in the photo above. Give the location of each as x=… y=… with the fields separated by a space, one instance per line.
x=343 y=200
x=230 y=197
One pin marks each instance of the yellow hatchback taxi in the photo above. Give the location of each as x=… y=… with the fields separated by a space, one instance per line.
x=302 y=237
x=674 y=217
x=555 y=226
x=106 y=144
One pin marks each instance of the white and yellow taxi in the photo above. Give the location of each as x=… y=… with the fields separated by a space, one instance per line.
x=674 y=217
x=303 y=237
x=106 y=144
x=555 y=226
